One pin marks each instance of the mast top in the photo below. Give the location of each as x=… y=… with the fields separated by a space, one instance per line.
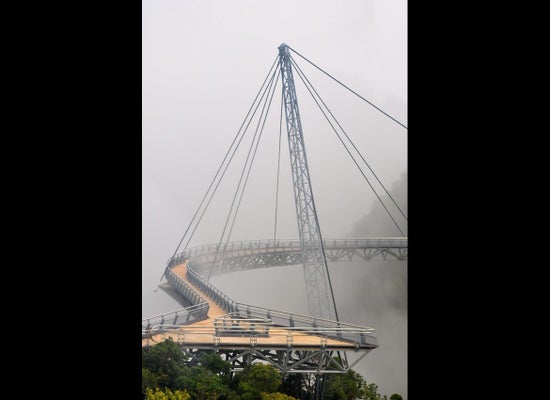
x=283 y=50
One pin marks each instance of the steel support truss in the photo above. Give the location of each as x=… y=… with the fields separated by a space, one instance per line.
x=287 y=361
x=246 y=255
x=313 y=256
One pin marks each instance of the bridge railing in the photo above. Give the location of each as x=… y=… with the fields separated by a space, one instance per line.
x=385 y=242
x=313 y=325
x=177 y=259
x=177 y=318
x=208 y=289
x=187 y=291
x=288 y=337
x=230 y=326
x=309 y=324
x=234 y=325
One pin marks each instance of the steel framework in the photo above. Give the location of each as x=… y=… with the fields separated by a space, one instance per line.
x=314 y=263
x=246 y=255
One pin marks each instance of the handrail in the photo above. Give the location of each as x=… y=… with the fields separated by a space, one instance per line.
x=277 y=317
x=174 y=315
x=209 y=290
x=286 y=320
x=232 y=249
x=382 y=242
x=287 y=335
x=184 y=289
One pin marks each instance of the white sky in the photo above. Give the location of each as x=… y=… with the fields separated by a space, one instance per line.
x=203 y=64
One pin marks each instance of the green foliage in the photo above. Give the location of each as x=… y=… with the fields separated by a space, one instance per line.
x=165 y=360
x=214 y=363
x=276 y=396
x=371 y=392
x=166 y=394
x=203 y=384
x=295 y=385
x=148 y=380
x=350 y=386
x=347 y=386
x=257 y=379
x=165 y=376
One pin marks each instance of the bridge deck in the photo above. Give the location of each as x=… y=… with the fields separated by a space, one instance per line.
x=201 y=334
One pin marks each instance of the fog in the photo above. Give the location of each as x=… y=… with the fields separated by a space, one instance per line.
x=203 y=64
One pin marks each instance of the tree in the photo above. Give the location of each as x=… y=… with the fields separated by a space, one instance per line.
x=164 y=366
x=201 y=383
x=148 y=380
x=297 y=385
x=213 y=362
x=166 y=394
x=165 y=376
x=371 y=392
x=257 y=379
x=347 y=386
x=351 y=385
x=166 y=361
x=276 y=396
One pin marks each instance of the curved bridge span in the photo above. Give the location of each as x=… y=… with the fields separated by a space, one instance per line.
x=245 y=255
x=243 y=333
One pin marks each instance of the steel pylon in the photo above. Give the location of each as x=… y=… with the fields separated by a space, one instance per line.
x=318 y=287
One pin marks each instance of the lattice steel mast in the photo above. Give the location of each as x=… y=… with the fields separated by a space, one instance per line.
x=318 y=286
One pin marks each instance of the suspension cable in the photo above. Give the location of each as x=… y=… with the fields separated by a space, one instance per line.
x=219 y=168
x=253 y=156
x=267 y=90
x=355 y=93
x=351 y=141
x=234 y=151
x=278 y=168
x=353 y=158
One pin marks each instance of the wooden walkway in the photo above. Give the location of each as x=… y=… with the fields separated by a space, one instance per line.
x=201 y=334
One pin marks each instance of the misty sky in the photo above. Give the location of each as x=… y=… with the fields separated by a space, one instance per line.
x=203 y=64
